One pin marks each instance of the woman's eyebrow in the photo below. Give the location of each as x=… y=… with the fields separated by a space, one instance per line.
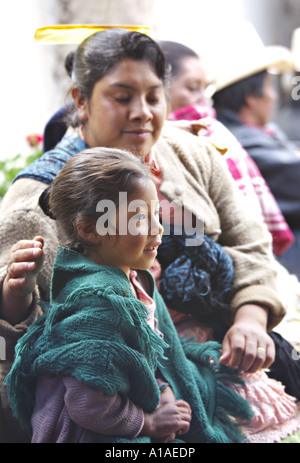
x=132 y=87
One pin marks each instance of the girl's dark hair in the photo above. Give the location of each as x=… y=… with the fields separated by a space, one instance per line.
x=102 y=51
x=174 y=53
x=234 y=96
x=88 y=177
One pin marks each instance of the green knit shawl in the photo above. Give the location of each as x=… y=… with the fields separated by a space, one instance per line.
x=96 y=331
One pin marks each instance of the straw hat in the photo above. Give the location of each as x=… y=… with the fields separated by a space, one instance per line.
x=76 y=33
x=245 y=55
x=295 y=47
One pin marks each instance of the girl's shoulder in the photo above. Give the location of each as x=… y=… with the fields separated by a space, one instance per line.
x=72 y=271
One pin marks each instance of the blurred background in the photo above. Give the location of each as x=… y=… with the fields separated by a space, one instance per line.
x=34 y=83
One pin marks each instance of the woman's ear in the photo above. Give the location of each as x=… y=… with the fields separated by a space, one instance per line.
x=86 y=229
x=80 y=104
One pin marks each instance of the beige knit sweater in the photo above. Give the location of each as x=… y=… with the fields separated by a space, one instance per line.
x=195 y=176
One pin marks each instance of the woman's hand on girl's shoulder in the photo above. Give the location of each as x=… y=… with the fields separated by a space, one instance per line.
x=24 y=262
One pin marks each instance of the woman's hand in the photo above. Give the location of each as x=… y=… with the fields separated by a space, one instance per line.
x=246 y=345
x=24 y=263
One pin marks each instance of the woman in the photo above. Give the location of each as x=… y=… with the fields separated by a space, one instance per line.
x=118 y=93
x=191 y=106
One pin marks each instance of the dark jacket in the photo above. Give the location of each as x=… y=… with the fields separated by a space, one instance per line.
x=279 y=164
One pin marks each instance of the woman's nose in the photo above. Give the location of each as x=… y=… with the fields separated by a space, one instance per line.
x=140 y=110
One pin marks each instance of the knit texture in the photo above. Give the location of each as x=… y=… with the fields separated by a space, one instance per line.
x=197 y=281
x=100 y=336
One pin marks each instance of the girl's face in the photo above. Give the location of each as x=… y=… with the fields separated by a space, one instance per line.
x=188 y=86
x=138 y=232
x=127 y=108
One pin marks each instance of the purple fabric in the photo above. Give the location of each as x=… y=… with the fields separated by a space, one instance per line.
x=67 y=411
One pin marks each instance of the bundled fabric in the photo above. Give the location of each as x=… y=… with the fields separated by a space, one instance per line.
x=197 y=280
x=244 y=171
x=83 y=335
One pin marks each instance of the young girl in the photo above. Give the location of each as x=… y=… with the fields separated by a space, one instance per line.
x=105 y=363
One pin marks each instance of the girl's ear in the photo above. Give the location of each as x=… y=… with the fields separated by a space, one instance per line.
x=86 y=229
x=80 y=104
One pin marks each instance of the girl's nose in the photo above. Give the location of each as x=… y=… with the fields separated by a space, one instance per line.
x=156 y=227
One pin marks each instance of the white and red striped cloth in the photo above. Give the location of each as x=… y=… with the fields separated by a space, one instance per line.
x=244 y=171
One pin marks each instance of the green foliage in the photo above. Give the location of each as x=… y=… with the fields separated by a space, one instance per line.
x=10 y=167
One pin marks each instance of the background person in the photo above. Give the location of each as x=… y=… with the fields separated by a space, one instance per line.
x=245 y=100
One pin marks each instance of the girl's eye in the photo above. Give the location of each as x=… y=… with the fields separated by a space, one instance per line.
x=140 y=216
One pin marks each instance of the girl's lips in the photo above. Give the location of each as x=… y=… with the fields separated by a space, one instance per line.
x=152 y=248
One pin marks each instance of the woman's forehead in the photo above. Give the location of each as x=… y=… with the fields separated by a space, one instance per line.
x=129 y=69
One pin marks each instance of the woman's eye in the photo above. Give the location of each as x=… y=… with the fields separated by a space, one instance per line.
x=154 y=97
x=121 y=98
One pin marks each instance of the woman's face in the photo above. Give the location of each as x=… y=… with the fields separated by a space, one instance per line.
x=188 y=86
x=127 y=108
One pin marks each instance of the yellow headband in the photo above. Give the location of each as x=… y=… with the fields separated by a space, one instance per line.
x=76 y=33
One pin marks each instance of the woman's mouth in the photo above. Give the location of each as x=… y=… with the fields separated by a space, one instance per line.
x=140 y=133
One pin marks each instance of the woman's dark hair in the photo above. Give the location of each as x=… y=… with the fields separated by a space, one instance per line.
x=234 y=96
x=102 y=51
x=174 y=53
x=93 y=175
